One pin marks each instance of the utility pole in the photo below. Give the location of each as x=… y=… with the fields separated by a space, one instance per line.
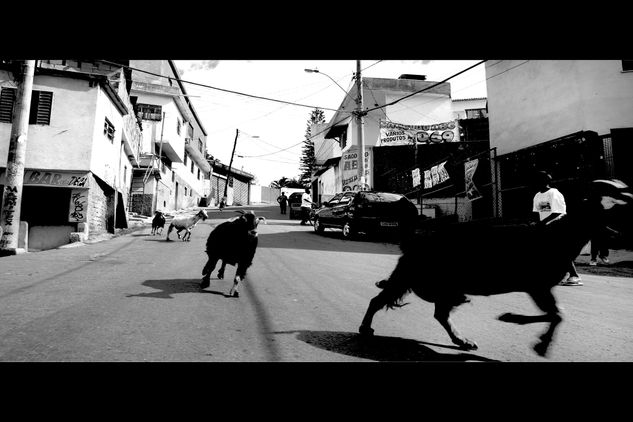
x=12 y=195
x=361 y=129
x=160 y=161
x=228 y=173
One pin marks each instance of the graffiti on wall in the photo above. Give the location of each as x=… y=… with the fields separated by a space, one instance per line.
x=8 y=213
x=78 y=206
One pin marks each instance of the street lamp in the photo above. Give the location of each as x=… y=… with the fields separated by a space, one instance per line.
x=317 y=71
x=359 y=117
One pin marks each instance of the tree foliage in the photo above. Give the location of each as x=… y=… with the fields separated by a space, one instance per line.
x=285 y=182
x=308 y=158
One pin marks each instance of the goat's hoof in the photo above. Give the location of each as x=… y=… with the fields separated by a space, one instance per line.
x=234 y=294
x=366 y=331
x=205 y=283
x=541 y=348
x=466 y=344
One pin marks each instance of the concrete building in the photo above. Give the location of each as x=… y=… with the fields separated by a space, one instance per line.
x=573 y=118
x=173 y=172
x=83 y=142
x=399 y=135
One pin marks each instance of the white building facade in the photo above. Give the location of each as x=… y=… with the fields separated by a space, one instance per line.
x=83 y=141
x=174 y=172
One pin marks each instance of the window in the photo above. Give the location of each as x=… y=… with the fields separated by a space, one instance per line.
x=185 y=191
x=476 y=113
x=173 y=176
x=178 y=124
x=149 y=112
x=198 y=174
x=192 y=167
x=124 y=174
x=41 y=104
x=108 y=129
x=343 y=139
x=200 y=145
x=7 y=98
x=627 y=65
x=185 y=162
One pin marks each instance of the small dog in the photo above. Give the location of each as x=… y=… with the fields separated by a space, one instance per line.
x=158 y=222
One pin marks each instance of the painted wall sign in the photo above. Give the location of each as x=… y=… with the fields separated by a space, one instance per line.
x=52 y=178
x=350 y=164
x=78 y=206
x=400 y=134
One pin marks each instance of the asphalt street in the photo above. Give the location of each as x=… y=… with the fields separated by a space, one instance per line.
x=136 y=298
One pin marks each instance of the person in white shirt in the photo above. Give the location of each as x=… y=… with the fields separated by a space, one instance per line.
x=550 y=205
x=306 y=207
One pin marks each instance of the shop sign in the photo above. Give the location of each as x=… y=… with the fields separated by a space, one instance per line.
x=350 y=165
x=55 y=179
x=392 y=133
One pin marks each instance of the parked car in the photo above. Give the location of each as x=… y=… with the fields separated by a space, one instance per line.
x=367 y=212
x=294 y=203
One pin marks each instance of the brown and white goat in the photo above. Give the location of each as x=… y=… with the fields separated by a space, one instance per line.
x=234 y=242
x=444 y=268
x=186 y=223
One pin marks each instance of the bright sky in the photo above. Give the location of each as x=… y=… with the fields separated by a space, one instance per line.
x=266 y=127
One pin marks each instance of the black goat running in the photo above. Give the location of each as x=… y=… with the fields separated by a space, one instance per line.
x=158 y=222
x=444 y=268
x=234 y=242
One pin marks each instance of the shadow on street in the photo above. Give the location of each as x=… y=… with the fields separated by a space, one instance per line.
x=380 y=348
x=167 y=288
x=329 y=241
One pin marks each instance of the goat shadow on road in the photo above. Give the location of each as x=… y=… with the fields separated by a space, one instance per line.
x=169 y=287
x=381 y=348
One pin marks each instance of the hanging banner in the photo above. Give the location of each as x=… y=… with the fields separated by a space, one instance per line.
x=399 y=134
x=415 y=174
x=470 y=167
x=350 y=165
x=435 y=175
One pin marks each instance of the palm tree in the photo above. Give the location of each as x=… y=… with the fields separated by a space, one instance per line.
x=279 y=183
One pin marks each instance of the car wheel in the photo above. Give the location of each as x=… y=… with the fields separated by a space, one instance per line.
x=318 y=227
x=348 y=232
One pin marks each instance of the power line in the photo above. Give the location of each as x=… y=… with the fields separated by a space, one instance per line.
x=425 y=89
x=221 y=89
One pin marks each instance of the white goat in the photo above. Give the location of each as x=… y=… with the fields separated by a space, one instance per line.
x=186 y=223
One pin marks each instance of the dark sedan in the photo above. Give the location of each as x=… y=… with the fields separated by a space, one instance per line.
x=367 y=212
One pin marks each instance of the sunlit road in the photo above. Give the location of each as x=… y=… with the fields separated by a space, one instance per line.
x=136 y=298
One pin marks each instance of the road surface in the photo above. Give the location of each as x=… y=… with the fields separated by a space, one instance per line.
x=136 y=298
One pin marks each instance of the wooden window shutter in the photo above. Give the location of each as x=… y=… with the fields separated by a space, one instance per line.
x=41 y=103
x=7 y=99
x=44 y=108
